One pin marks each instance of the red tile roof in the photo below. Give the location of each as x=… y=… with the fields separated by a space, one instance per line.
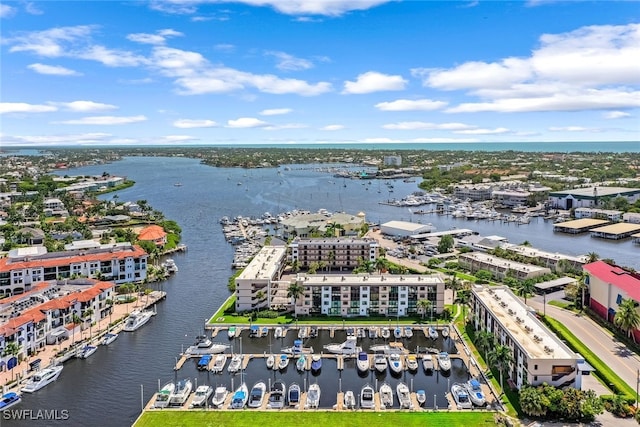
x=622 y=279
x=152 y=232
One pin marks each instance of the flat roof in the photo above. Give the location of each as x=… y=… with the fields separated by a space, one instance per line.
x=406 y=226
x=370 y=280
x=619 y=228
x=502 y=262
x=454 y=232
x=263 y=266
x=563 y=281
x=581 y=223
x=599 y=191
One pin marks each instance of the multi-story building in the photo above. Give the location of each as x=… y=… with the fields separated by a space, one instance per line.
x=305 y=225
x=510 y=198
x=591 y=196
x=333 y=253
x=363 y=294
x=23 y=267
x=538 y=355
x=392 y=160
x=258 y=285
x=549 y=259
x=500 y=267
x=475 y=192
x=608 y=214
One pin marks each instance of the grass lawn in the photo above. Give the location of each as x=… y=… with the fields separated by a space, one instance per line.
x=329 y=418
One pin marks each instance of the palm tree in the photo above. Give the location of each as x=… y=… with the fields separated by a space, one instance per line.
x=424 y=305
x=500 y=358
x=525 y=288
x=109 y=303
x=592 y=257
x=627 y=317
x=87 y=314
x=295 y=291
x=381 y=264
x=12 y=349
x=453 y=283
x=582 y=287
x=484 y=340
x=76 y=320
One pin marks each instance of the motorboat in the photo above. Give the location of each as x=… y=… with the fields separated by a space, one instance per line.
x=427 y=363
x=386 y=333
x=303 y=332
x=361 y=333
x=170 y=265
x=412 y=362
x=386 y=395
x=277 y=395
x=444 y=362
x=219 y=396
x=204 y=345
x=347 y=347
x=162 y=396
x=297 y=348
x=476 y=395
x=316 y=363
x=351 y=332
x=42 y=378
x=181 y=392
x=395 y=363
x=392 y=347
x=313 y=333
x=254 y=331
x=283 y=362
x=301 y=363
x=380 y=362
x=136 y=319
x=421 y=396
x=264 y=331
x=201 y=396
x=278 y=332
x=363 y=362
x=349 y=400
x=461 y=396
x=87 y=351
x=397 y=332
x=404 y=396
x=293 y=396
x=433 y=333
x=408 y=332
x=240 y=397
x=313 y=396
x=366 y=397
x=373 y=333
x=218 y=365
x=203 y=363
x=9 y=399
x=234 y=365
x=445 y=332
x=256 y=396
x=108 y=338
x=271 y=361
x=231 y=332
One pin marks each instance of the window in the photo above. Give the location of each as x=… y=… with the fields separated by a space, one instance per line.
x=619 y=299
x=535 y=367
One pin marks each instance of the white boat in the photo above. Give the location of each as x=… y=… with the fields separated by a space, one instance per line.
x=170 y=265
x=219 y=396
x=87 y=351
x=136 y=319
x=404 y=396
x=461 y=396
x=271 y=361
x=347 y=347
x=366 y=397
x=301 y=363
x=421 y=397
x=234 y=365
x=181 y=393
x=293 y=396
x=219 y=363
x=9 y=399
x=313 y=396
x=200 y=397
x=162 y=396
x=283 y=362
x=278 y=332
x=256 y=396
x=412 y=362
x=386 y=333
x=42 y=378
x=395 y=363
x=433 y=333
x=303 y=332
x=349 y=400
x=316 y=362
x=444 y=362
x=373 y=332
x=108 y=338
x=397 y=332
x=277 y=395
x=445 y=332
x=386 y=395
x=363 y=362
x=427 y=362
x=380 y=362
x=476 y=395
x=240 y=397
x=408 y=332
x=231 y=332
x=204 y=345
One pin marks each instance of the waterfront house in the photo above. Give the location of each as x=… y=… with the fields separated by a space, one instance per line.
x=153 y=233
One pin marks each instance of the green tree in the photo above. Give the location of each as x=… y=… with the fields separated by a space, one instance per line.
x=453 y=283
x=500 y=358
x=12 y=349
x=484 y=341
x=87 y=315
x=533 y=402
x=109 y=303
x=76 y=320
x=525 y=289
x=627 y=317
x=424 y=305
x=483 y=276
x=445 y=244
x=592 y=257
x=295 y=291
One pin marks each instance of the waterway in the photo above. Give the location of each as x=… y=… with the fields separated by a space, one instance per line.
x=108 y=388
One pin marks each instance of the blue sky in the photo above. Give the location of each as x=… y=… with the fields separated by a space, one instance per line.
x=314 y=71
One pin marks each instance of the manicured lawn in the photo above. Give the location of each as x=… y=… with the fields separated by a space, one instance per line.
x=319 y=418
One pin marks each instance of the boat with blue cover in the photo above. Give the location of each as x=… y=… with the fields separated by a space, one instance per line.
x=204 y=361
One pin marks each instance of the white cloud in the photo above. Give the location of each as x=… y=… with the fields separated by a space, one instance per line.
x=616 y=115
x=275 y=111
x=417 y=140
x=54 y=70
x=66 y=139
x=188 y=123
x=157 y=39
x=495 y=131
x=112 y=57
x=85 y=106
x=287 y=62
x=332 y=127
x=246 y=122
x=372 y=81
x=23 y=107
x=410 y=105
x=572 y=129
x=7 y=11
x=50 y=43
x=178 y=138
x=426 y=126
x=104 y=120
x=32 y=9
x=286 y=126
x=224 y=47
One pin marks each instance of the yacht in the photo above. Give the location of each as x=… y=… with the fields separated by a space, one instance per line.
x=461 y=396
x=421 y=397
x=283 y=362
x=314 y=332
x=380 y=362
x=397 y=332
x=476 y=395
x=445 y=332
x=240 y=397
x=433 y=333
x=301 y=363
x=366 y=397
x=313 y=396
x=204 y=345
x=8 y=400
x=170 y=265
x=363 y=362
x=347 y=347
x=42 y=378
x=277 y=396
x=404 y=396
x=293 y=396
x=427 y=363
x=136 y=319
x=278 y=332
x=203 y=363
x=219 y=363
x=444 y=362
x=181 y=393
x=408 y=332
x=386 y=395
x=412 y=362
x=87 y=351
x=386 y=333
x=219 y=396
x=162 y=397
x=271 y=361
x=316 y=363
x=373 y=333
x=201 y=396
x=231 y=332
x=234 y=365
x=108 y=338
x=303 y=332
x=395 y=363
x=256 y=396
x=349 y=400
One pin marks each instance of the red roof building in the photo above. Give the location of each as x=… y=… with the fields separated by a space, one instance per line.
x=155 y=234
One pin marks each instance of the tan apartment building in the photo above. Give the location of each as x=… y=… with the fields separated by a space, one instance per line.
x=333 y=253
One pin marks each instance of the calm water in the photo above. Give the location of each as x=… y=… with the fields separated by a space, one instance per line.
x=111 y=381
